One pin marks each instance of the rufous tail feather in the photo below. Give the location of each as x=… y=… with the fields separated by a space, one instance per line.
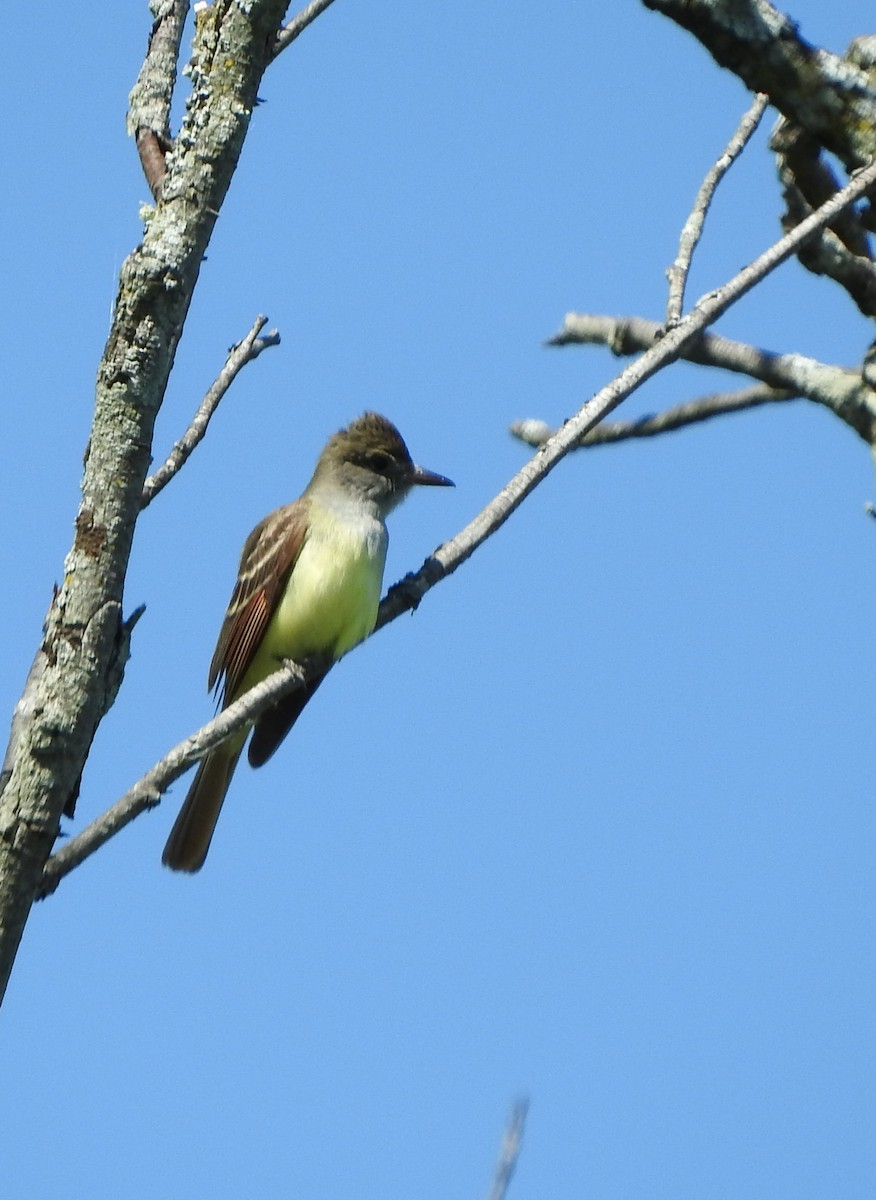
x=193 y=829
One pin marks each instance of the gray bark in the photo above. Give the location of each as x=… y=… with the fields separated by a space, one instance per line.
x=83 y=648
x=829 y=97
x=79 y=665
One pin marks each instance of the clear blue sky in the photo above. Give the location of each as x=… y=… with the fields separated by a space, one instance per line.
x=596 y=825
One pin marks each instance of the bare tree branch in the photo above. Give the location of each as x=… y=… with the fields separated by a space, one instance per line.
x=408 y=593
x=84 y=636
x=861 y=52
x=827 y=102
x=842 y=251
x=803 y=168
x=512 y=1144
x=148 y=790
x=673 y=344
x=830 y=257
x=845 y=392
x=244 y=352
x=294 y=28
x=829 y=97
x=693 y=226
x=150 y=99
x=694 y=412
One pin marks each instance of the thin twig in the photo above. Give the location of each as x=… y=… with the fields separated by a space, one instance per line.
x=694 y=412
x=244 y=352
x=693 y=226
x=407 y=594
x=294 y=28
x=510 y=1151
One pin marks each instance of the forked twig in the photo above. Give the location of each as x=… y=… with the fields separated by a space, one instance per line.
x=693 y=226
x=238 y=356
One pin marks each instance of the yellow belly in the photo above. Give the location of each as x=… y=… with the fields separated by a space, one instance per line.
x=330 y=602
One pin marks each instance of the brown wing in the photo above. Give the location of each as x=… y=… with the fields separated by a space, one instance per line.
x=269 y=554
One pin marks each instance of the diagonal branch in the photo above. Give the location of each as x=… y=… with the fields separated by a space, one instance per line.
x=294 y=28
x=841 y=252
x=804 y=168
x=694 y=412
x=148 y=790
x=693 y=226
x=407 y=594
x=855 y=273
x=244 y=352
x=512 y=1144
x=452 y=554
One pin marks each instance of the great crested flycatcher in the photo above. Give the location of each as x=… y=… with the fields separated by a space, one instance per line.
x=308 y=584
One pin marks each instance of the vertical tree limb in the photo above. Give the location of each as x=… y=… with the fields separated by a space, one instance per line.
x=83 y=633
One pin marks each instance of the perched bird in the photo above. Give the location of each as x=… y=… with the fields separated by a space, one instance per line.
x=308 y=584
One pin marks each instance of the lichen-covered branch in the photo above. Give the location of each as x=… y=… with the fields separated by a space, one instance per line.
x=844 y=391
x=827 y=102
x=841 y=252
x=152 y=94
x=807 y=180
x=84 y=635
x=829 y=97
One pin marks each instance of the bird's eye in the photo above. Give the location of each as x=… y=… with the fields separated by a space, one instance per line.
x=378 y=461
